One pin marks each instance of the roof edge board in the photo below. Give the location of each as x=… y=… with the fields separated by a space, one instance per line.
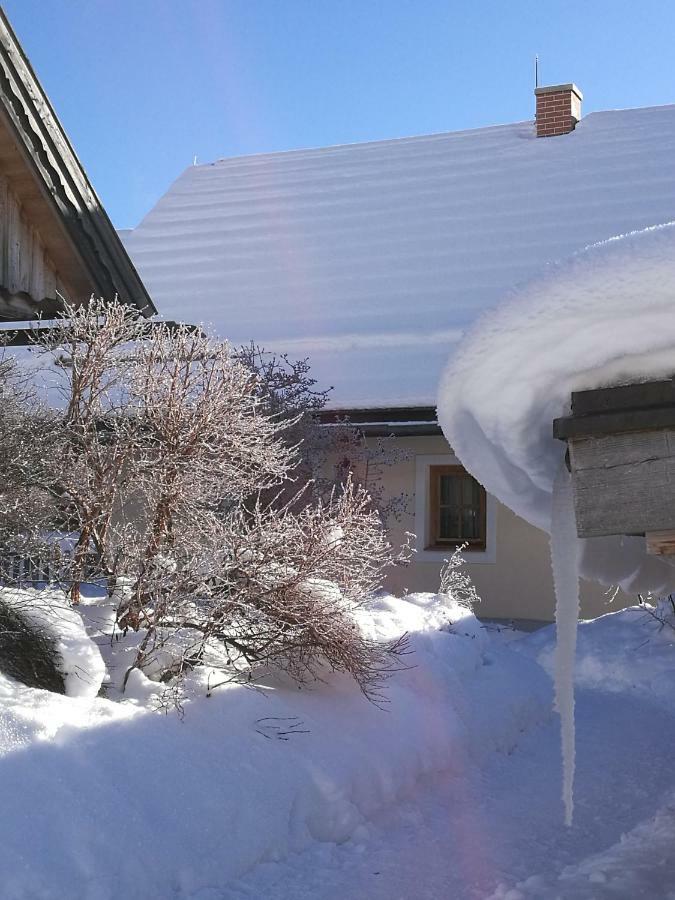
x=379 y=415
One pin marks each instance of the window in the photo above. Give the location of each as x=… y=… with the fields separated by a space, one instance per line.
x=457 y=509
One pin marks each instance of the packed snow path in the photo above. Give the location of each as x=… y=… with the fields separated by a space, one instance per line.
x=498 y=832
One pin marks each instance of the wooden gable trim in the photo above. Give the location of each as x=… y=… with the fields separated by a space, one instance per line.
x=28 y=114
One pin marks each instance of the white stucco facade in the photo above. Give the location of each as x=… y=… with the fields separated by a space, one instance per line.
x=513 y=573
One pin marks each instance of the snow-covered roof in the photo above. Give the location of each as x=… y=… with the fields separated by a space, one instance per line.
x=372 y=259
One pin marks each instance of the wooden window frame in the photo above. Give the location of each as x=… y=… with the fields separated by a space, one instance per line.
x=436 y=543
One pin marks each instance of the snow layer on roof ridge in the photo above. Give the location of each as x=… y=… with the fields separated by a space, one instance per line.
x=375 y=143
x=606 y=316
x=408 y=237
x=411 y=138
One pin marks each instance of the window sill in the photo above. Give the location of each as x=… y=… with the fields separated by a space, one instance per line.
x=450 y=548
x=436 y=555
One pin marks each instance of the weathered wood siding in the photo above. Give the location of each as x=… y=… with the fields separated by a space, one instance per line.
x=624 y=483
x=24 y=262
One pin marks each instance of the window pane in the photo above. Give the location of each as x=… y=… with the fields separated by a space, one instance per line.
x=470 y=491
x=458 y=508
x=450 y=490
x=449 y=524
x=470 y=524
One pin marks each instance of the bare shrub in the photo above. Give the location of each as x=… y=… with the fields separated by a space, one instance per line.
x=173 y=464
x=328 y=453
x=26 y=437
x=279 y=589
x=94 y=427
x=660 y=610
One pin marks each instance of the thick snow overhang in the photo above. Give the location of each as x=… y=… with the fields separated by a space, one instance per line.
x=54 y=190
x=603 y=318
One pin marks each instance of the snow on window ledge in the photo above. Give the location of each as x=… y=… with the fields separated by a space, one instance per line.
x=423 y=462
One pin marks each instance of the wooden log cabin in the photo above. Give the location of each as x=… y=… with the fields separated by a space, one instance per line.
x=56 y=240
x=621 y=451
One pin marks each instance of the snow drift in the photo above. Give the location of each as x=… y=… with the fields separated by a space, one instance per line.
x=604 y=317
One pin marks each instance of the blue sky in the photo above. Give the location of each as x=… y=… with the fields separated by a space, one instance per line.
x=144 y=86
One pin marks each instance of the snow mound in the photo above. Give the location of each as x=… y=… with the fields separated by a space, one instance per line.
x=624 y=652
x=79 y=659
x=604 y=317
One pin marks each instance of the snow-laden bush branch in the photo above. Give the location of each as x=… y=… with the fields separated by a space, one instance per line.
x=273 y=587
x=456 y=582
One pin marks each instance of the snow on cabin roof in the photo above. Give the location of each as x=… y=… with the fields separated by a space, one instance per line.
x=373 y=259
x=602 y=318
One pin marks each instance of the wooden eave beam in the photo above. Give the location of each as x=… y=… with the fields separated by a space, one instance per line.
x=400 y=421
x=632 y=407
x=621 y=451
x=398 y=430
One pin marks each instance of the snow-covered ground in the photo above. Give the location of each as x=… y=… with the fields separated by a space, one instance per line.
x=452 y=791
x=495 y=830
x=103 y=798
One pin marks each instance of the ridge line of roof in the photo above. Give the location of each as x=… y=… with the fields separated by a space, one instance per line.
x=392 y=140
x=409 y=137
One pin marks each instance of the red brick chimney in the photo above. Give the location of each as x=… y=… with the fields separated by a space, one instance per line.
x=558 y=109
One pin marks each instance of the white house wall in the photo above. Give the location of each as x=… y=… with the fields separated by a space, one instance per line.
x=513 y=575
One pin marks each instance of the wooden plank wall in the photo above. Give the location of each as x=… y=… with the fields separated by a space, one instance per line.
x=24 y=263
x=624 y=483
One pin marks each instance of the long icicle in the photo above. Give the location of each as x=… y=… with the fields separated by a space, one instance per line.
x=565 y=564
